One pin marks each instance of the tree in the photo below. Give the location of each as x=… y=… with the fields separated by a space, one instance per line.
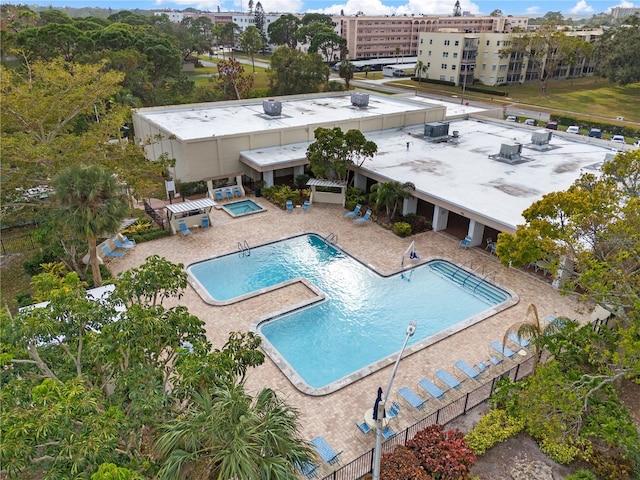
x=331 y=45
x=90 y=206
x=496 y=13
x=258 y=21
x=233 y=79
x=294 y=72
x=388 y=194
x=55 y=40
x=334 y=151
x=228 y=434
x=421 y=69
x=345 y=70
x=617 y=54
x=250 y=42
x=228 y=34
x=283 y=31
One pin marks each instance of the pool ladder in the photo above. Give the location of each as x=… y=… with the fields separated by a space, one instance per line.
x=243 y=249
x=331 y=238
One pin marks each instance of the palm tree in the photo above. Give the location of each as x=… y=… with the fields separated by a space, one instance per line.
x=345 y=70
x=532 y=329
x=398 y=51
x=421 y=68
x=89 y=205
x=387 y=195
x=227 y=434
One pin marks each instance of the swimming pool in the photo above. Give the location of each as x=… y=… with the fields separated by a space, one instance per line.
x=242 y=207
x=359 y=317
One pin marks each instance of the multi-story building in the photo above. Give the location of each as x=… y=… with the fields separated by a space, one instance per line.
x=387 y=36
x=621 y=12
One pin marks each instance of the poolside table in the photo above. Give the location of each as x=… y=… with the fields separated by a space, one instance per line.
x=368 y=419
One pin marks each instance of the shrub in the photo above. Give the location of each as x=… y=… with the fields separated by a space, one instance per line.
x=443 y=454
x=33 y=264
x=612 y=466
x=300 y=181
x=560 y=452
x=581 y=475
x=418 y=223
x=402 y=464
x=402 y=229
x=495 y=427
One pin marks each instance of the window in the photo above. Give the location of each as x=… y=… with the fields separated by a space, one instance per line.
x=455 y=54
x=428 y=64
x=498 y=43
x=484 y=66
x=452 y=79
x=503 y=68
x=442 y=78
x=453 y=67
x=443 y=66
x=456 y=43
x=429 y=54
x=447 y=42
x=431 y=41
x=500 y=79
x=420 y=52
x=421 y=41
x=488 y=42
x=493 y=67
x=445 y=54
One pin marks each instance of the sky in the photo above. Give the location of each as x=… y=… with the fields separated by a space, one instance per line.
x=569 y=8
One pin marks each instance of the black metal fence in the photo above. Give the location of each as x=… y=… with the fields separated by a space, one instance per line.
x=17 y=244
x=363 y=465
x=156 y=217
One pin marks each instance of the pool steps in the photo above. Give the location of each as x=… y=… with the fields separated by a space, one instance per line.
x=469 y=281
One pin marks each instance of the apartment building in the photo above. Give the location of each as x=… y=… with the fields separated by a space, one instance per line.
x=387 y=36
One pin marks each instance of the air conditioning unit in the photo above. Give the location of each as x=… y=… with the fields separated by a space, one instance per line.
x=359 y=99
x=541 y=137
x=511 y=152
x=436 y=130
x=272 y=107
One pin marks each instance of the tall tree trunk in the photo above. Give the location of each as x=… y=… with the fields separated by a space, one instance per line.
x=95 y=265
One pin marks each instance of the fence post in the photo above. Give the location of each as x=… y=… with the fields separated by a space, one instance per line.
x=466 y=402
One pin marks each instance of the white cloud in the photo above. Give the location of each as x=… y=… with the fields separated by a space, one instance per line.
x=532 y=10
x=581 y=7
x=376 y=7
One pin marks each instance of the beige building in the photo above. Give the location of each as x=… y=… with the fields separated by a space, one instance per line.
x=383 y=36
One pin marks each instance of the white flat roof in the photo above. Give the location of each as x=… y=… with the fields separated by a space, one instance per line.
x=192 y=122
x=462 y=174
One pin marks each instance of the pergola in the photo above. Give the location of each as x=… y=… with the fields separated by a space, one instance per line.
x=327 y=197
x=189 y=211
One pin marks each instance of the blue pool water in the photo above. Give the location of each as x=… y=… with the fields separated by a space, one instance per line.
x=242 y=207
x=364 y=316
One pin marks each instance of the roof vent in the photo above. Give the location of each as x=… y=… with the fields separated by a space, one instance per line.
x=359 y=99
x=436 y=131
x=272 y=108
x=541 y=137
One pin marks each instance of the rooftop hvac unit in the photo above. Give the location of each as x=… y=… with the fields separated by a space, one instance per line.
x=436 y=130
x=360 y=99
x=272 y=107
x=541 y=137
x=511 y=152
x=608 y=157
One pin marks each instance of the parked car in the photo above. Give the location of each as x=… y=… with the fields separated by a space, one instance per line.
x=618 y=139
x=552 y=125
x=530 y=121
x=595 y=133
x=573 y=129
x=512 y=118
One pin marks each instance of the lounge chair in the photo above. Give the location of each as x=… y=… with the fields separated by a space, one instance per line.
x=308 y=469
x=218 y=194
x=125 y=240
x=119 y=244
x=305 y=206
x=111 y=253
x=228 y=193
x=205 y=221
x=325 y=451
x=387 y=433
x=363 y=427
x=523 y=342
x=466 y=242
x=392 y=412
x=504 y=351
x=412 y=398
x=467 y=369
x=431 y=388
x=354 y=213
x=183 y=228
x=448 y=379
x=237 y=192
x=289 y=205
x=365 y=218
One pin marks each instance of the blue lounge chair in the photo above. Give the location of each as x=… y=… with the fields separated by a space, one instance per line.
x=392 y=412
x=309 y=470
x=119 y=244
x=325 y=451
x=387 y=433
x=448 y=379
x=466 y=242
x=125 y=240
x=495 y=360
x=305 y=206
x=431 y=388
x=354 y=213
x=467 y=369
x=289 y=205
x=111 y=253
x=504 y=351
x=228 y=193
x=412 y=398
x=237 y=192
x=218 y=194
x=205 y=221
x=523 y=342
x=363 y=427
x=183 y=228
x=365 y=218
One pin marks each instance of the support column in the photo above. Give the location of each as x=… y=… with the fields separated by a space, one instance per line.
x=409 y=205
x=267 y=178
x=476 y=232
x=440 y=218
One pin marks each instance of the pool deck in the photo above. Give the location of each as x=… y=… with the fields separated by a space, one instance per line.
x=334 y=416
